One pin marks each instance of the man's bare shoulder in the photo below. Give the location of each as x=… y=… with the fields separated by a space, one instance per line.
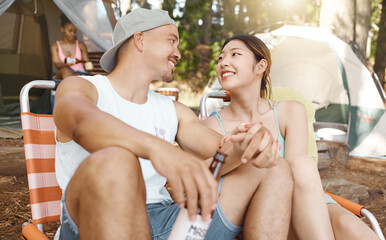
x=75 y=81
x=76 y=85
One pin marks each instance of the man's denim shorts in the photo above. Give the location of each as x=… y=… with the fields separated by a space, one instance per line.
x=161 y=219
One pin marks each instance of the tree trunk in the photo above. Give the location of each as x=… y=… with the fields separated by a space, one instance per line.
x=169 y=5
x=348 y=19
x=207 y=25
x=144 y=4
x=228 y=7
x=380 y=53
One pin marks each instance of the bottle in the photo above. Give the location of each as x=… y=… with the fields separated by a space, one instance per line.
x=69 y=60
x=183 y=228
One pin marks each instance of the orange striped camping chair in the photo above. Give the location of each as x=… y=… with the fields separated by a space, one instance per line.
x=290 y=94
x=39 y=146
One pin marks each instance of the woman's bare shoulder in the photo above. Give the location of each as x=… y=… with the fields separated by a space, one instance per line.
x=290 y=104
x=54 y=45
x=289 y=109
x=82 y=45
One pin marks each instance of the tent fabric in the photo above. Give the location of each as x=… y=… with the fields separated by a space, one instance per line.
x=304 y=43
x=28 y=27
x=374 y=140
x=9 y=23
x=367 y=131
x=24 y=44
x=337 y=113
x=90 y=17
x=4 y=5
x=327 y=72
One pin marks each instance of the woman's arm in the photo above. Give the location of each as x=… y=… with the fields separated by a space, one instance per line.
x=84 y=51
x=294 y=127
x=55 y=57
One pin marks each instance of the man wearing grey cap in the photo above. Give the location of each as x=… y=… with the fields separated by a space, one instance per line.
x=115 y=151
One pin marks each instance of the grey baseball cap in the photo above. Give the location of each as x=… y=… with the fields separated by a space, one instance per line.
x=139 y=20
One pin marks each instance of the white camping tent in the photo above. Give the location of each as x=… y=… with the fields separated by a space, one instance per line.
x=327 y=72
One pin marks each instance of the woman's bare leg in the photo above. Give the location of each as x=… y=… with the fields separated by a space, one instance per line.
x=310 y=218
x=348 y=226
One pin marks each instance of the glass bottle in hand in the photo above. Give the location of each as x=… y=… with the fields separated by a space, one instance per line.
x=183 y=228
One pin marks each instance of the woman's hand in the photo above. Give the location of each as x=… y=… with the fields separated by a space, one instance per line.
x=255 y=143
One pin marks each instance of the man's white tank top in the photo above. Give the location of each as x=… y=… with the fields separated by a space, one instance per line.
x=157 y=117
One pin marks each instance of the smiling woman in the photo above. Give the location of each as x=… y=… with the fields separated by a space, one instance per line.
x=243 y=69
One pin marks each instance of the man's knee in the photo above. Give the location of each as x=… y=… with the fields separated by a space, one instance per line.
x=108 y=175
x=110 y=168
x=282 y=174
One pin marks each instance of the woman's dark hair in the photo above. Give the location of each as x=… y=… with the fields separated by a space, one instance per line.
x=64 y=20
x=260 y=51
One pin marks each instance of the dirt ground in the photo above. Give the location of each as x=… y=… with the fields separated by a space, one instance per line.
x=14 y=198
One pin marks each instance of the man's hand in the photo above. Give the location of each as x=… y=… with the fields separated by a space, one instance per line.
x=256 y=144
x=189 y=178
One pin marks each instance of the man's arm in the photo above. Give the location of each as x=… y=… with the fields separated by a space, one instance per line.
x=249 y=142
x=77 y=118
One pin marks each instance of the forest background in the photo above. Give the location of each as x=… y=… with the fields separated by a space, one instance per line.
x=204 y=24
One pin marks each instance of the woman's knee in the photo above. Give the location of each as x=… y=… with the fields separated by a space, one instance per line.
x=65 y=72
x=304 y=170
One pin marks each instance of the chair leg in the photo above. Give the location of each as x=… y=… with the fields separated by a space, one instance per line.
x=374 y=223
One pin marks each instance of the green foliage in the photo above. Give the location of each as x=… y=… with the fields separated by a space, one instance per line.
x=169 y=6
x=189 y=61
x=216 y=50
x=376 y=11
x=312 y=12
x=190 y=34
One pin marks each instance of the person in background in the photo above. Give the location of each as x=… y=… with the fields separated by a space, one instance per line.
x=243 y=70
x=69 y=55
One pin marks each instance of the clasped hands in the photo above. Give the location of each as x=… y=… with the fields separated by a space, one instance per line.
x=255 y=143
